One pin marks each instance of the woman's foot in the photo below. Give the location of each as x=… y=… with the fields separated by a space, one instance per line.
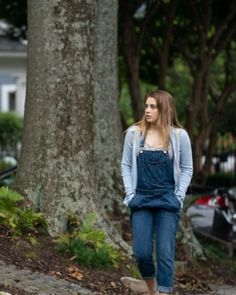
x=137 y=286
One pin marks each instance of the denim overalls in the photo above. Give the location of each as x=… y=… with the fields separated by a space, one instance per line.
x=155 y=207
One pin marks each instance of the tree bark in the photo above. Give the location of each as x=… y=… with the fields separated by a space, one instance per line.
x=209 y=152
x=56 y=163
x=71 y=141
x=107 y=122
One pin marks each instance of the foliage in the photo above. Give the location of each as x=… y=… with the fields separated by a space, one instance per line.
x=15 y=13
x=88 y=244
x=9 y=210
x=215 y=253
x=10 y=130
x=178 y=83
x=226 y=143
x=5 y=164
x=222 y=179
x=15 y=219
x=32 y=221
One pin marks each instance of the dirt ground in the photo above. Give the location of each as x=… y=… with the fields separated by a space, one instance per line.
x=42 y=257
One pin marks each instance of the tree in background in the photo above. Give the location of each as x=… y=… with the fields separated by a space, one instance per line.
x=162 y=45
x=146 y=29
x=194 y=35
x=71 y=139
x=63 y=165
x=208 y=31
x=15 y=13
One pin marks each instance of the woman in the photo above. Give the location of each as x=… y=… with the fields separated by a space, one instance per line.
x=156 y=169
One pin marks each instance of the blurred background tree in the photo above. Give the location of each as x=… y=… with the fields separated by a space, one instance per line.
x=186 y=47
x=10 y=132
x=14 y=12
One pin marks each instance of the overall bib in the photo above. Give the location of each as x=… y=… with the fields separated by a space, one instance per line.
x=155 y=209
x=155 y=183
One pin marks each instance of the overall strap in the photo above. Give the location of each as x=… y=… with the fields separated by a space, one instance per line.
x=142 y=142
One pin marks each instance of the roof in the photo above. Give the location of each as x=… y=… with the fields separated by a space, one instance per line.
x=10 y=47
x=7 y=79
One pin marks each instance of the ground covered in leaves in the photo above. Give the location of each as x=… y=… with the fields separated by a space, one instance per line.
x=42 y=257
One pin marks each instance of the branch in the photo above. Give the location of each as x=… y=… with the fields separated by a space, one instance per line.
x=169 y=27
x=224 y=24
x=229 y=87
x=139 y=4
x=222 y=43
x=195 y=13
x=222 y=99
x=202 y=22
x=132 y=6
x=149 y=15
x=228 y=62
x=213 y=95
x=155 y=47
x=184 y=49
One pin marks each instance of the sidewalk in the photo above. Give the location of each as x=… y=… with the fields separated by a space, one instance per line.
x=224 y=290
x=38 y=283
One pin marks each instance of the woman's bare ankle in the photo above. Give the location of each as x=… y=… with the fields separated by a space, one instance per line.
x=151 y=284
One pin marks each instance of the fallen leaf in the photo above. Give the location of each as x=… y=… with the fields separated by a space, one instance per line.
x=73 y=258
x=55 y=273
x=113 y=284
x=75 y=272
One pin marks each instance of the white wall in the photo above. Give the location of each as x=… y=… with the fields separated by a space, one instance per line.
x=14 y=66
x=6 y=89
x=20 y=94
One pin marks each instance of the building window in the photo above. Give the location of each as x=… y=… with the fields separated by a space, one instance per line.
x=8 y=98
x=12 y=101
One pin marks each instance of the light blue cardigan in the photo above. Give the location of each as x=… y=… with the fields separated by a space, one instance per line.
x=182 y=157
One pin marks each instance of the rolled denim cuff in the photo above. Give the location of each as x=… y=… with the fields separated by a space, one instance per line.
x=164 y=289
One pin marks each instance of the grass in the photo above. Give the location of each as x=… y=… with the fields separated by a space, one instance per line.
x=216 y=253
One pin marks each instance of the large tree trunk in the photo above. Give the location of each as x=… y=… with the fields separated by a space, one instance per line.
x=56 y=164
x=70 y=148
x=107 y=128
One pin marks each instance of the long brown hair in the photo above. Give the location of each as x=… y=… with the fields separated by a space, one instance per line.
x=167 y=116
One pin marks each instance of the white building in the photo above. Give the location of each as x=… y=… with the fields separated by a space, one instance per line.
x=12 y=73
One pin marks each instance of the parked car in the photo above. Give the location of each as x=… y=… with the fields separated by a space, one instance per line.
x=215 y=213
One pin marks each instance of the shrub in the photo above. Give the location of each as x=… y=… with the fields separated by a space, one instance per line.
x=221 y=179
x=32 y=221
x=9 y=209
x=5 y=164
x=15 y=219
x=10 y=131
x=88 y=244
